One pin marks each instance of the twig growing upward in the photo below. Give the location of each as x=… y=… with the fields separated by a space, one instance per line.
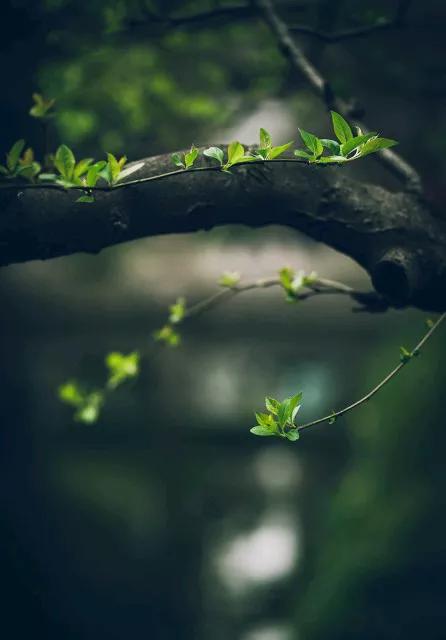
x=299 y=61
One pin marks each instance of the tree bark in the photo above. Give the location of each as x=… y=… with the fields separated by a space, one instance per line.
x=394 y=236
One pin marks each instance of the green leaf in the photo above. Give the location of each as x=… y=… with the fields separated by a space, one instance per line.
x=272 y=405
x=93 y=173
x=177 y=311
x=302 y=154
x=265 y=139
x=262 y=431
x=85 y=198
x=333 y=146
x=71 y=394
x=176 y=159
x=275 y=152
x=405 y=355
x=12 y=157
x=312 y=142
x=89 y=412
x=114 y=167
x=3 y=170
x=216 y=153
x=65 y=161
x=190 y=157
x=41 y=106
x=292 y=435
x=167 y=335
x=236 y=152
x=341 y=127
x=376 y=144
x=82 y=167
x=229 y=279
x=121 y=367
x=355 y=142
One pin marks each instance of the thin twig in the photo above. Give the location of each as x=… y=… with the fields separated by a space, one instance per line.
x=349 y=34
x=130 y=183
x=299 y=61
x=319 y=286
x=415 y=351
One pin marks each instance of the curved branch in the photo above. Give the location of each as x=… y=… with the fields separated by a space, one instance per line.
x=393 y=236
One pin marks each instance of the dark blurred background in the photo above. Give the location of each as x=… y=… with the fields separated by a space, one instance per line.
x=167 y=519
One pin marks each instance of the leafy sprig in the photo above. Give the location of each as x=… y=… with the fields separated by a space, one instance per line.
x=346 y=148
x=279 y=421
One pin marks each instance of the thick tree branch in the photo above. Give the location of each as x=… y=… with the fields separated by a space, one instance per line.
x=393 y=236
x=299 y=61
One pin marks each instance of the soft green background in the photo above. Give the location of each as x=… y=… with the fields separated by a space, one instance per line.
x=167 y=519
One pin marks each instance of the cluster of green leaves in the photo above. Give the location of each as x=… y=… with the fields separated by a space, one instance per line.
x=19 y=163
x=347 y=147
x=185 y=160
x=168 y=334
x=294 y=282
x=84 y=173
x=88 y=403
x=279 y=421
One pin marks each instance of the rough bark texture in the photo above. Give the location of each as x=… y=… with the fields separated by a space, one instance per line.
x=394 y=236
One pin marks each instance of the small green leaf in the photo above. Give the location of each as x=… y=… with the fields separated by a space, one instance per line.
x=272 y=405
x=262 y=431
x=332 y=419
x=216 y=153
x=236 y=152
x=229 y=279
x=302 y=154
x=292 y=435
x=355 y=142
x=376 y=144
x=265 y=139
x=312 y=142
x=82 y=167
x=3 y=170
x=167 y=335
x=177 y=311
x=41 y=107
x=333 y=146
x=121 y=367
x=71 y=394
x=176 y=159
x=65 y=162
x=12 y=157
x=114 y=168
x=405 y=355
x=93 y=173
x=85 y=198
x=275 y=152
x=341 y=127
x=190 y=157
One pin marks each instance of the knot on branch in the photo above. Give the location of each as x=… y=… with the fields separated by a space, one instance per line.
x=397 y=276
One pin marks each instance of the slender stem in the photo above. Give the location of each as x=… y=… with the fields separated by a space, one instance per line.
x=382 y=383
x=320 y=286
x=130 y=183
